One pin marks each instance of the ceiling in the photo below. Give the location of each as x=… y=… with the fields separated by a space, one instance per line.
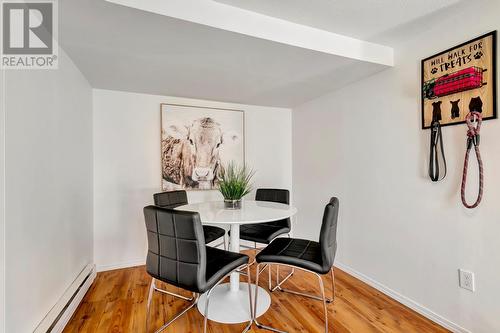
x=248 y=23
x=364 y=19
x=122 y=48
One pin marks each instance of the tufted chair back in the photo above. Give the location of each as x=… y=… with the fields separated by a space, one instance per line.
x=328 y=233
x=275 y=195
x=176 y=247
x=171 y=199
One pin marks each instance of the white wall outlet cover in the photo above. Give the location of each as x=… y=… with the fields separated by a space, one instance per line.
x=466 y=280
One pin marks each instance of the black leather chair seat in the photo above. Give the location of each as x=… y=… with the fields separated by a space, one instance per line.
x=297 y=252
x=212 y=233
x=262 y=232
x=220 y=263
x=265 y=232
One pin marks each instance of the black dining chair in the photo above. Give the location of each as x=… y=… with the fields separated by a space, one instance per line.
x=306 y=255
x=173 y=199
x=264 y=233
x=177 y=255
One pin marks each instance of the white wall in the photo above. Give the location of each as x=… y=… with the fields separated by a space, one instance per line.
x=48 y=188
x=2 y=202
x=364 y=144
x=127 y=165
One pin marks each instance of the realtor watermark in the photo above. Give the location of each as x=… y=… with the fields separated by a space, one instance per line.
x=29 y=34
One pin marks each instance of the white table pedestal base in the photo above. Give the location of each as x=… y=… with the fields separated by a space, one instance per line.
x=232 y=307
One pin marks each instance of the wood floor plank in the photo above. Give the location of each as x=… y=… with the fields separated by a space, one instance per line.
x=116 y=303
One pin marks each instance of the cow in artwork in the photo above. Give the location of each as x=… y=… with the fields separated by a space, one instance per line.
x=190 y=154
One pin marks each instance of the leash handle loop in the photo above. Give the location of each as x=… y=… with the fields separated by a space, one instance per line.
x=473 y=139
x=435 y=143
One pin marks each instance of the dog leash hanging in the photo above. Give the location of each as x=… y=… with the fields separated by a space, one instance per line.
x=436 y=143
x=473 y=139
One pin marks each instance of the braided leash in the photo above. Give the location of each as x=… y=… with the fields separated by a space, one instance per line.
x=473 y=139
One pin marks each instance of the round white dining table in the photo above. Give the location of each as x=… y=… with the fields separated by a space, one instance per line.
x=229 y=302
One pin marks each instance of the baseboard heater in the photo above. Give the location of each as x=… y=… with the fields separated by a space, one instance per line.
x=61 y=312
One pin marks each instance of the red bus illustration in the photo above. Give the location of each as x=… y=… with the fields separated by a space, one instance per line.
x=462 y=80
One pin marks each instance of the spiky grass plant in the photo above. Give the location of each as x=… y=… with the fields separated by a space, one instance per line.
x=234 y=181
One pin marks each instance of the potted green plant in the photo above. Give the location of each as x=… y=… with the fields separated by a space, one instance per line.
x=234 y=184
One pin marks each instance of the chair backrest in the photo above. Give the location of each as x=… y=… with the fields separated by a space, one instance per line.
x=171 y=199
x=275 y=195
x=328 y=233
x=176 y=247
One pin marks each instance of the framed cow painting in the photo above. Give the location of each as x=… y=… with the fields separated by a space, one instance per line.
x=459 y=80
x=196 y=142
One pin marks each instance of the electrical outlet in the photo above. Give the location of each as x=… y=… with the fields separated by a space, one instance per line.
x=466 y=280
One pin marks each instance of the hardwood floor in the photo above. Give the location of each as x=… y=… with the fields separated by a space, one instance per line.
x=117 y=301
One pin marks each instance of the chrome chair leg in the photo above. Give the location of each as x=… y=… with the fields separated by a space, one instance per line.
x=278 y=287
x=178 y=315
x=150 y=297
x=259 y=271
x=270 y=277
x=247 y=247
x=333 y=284
x=206 y=310
x=259 y=325
x=278 y=282
x=318 y=298
x=249 y=282
x=189 y=299
x=209 y=292
x=223 y=243
x=322 y=288
x=152 y=288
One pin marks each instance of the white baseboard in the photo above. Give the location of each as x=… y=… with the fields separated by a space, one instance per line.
x=125 y=264
x=404 y=300
x=61 y=312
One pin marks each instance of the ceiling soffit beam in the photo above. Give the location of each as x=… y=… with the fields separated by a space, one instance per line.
x=226 y=17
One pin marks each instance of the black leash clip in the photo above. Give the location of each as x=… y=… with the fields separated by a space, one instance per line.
x=434 y=132
x=473 y=140
x=476 y=139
